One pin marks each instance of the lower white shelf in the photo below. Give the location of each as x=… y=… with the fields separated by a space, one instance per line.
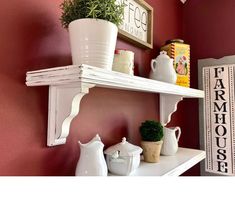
x=171 y=165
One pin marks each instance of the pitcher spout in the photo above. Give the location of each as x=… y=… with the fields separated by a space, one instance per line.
x=91 y=161
x=95 y=141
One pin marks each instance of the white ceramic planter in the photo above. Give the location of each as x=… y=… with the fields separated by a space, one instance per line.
x=93 y=42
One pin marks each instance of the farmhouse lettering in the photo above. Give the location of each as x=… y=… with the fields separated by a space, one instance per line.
x=220 y=122
x=219 y=119
x=135 y=20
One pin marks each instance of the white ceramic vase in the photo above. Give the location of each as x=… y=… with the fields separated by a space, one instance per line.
x=92 y=161
x=93 y=42
x=170 y=141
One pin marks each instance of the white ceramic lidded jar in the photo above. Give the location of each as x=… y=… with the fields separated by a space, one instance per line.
x=91 y=161
x=163 y=69
x=123 y=158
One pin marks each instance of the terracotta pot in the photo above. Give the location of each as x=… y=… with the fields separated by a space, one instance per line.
x=151 y=151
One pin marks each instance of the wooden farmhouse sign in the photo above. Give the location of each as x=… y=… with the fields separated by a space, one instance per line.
x=137 y=24
x=219 y=119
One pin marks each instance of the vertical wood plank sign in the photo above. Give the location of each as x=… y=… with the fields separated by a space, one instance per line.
x=218 y=83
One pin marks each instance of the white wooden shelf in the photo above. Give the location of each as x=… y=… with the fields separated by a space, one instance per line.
x=171 y=165
x=108 y=79
x=69 y=84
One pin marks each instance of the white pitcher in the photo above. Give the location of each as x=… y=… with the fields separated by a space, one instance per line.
x=170 y=141
x=163 y=68
x=91 y=161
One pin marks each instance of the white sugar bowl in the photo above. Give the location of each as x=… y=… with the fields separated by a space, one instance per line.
x=123 y=158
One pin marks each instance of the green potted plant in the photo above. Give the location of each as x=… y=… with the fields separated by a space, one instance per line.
x=93 y=27
x=151 y=133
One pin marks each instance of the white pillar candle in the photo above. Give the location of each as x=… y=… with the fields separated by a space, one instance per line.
x=124 y=61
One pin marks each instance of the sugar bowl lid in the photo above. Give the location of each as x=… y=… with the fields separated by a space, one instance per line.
x=124 y=148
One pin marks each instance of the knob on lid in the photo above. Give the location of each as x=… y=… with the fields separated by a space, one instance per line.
x=124 y=148
x=163 y=55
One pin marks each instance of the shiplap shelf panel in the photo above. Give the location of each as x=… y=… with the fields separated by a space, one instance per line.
x=68 y=85
x=175 y=165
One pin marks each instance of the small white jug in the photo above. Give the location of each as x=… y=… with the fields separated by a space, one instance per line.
x=170 y=141
x=91 y=161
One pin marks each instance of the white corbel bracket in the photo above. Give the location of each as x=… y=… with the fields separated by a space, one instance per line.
x=64 y=105
x=168 y=105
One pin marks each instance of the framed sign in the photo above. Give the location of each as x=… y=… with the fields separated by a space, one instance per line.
x=137 y=25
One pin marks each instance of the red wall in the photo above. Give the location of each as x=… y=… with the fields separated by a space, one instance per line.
x=209 y=28
x=32 y=38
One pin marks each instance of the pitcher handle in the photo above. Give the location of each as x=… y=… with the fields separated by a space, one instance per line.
x=179 y=133
x=153 y=64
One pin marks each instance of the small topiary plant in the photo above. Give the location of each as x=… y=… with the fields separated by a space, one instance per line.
x=151 y=131
x=96 y=9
